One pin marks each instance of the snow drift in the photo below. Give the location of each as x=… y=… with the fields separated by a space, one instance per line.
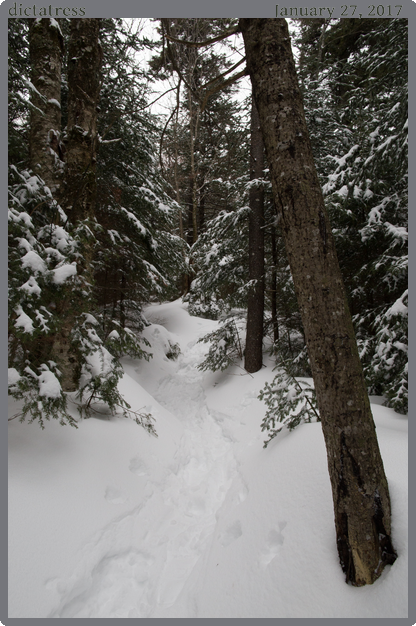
x=106 y=521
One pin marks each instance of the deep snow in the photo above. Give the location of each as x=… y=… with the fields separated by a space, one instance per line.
x=107 y=521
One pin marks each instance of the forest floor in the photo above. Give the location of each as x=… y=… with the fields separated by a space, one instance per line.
x=106 y=521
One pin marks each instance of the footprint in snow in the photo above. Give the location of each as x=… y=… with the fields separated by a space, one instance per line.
x=233 y=532
x=116 y=587
x=274 y=542
x=248 y=398
x=137 y=466
x=114 y=495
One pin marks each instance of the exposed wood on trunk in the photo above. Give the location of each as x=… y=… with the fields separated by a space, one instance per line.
x=359 y=485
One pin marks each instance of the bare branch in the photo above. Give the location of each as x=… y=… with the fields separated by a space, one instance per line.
x=207 y=42
x=158 y=98
x=230 y=81
x=175 y=110
x=166 y=27
x=231 y=69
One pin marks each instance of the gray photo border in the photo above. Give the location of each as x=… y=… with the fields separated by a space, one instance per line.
x=179 y=8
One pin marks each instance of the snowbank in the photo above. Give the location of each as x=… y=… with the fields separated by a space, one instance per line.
x=202 y=522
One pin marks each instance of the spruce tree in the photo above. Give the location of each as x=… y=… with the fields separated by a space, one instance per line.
x=139 y=256
x=18 y=93
x=359 y=139
x=54 y=266
x=367 y=197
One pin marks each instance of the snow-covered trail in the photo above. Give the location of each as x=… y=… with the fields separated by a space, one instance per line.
x=201 y=522
x=152 y=555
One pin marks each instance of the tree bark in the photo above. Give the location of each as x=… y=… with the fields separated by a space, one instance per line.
x=190 y=215
x=273 y=288
x=78 y=193
x=359 y=485
x=253 y=357
x=46 y=49
x=84 y=63
x=193 y=133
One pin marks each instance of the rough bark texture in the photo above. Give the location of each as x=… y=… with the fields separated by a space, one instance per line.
x=193 y=133
x=46 y=48
x=190 y=217
x=359 y=485
x=273 y=287
x=84 y=62
x=78 y=193
x=253 y=358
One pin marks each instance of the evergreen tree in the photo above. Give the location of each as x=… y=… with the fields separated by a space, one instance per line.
x=18 y=93
x=139 y=257
x=207 y=140
x=55 y=260
x=221 y=266
x=366 y=195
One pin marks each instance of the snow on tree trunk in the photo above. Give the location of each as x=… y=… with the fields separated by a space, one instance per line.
x=84 y=62
x=255 y=305
x=46 y=48
x=79 y=190
x=359 y=485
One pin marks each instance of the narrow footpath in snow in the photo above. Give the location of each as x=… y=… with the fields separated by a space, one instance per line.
x=200 y=522
x=170 y=530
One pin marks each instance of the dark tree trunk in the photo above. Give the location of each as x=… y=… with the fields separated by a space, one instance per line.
x=190 y=230
x=78 y=193
x=201 y=211
x=359 y=485
x=84 y=63
x=46 y=48
x=45 y=147
x=273 y=288
x=253 y=357
x=122 y=299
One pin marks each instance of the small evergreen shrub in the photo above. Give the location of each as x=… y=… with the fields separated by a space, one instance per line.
x=99 y=379
x=290 y=402
x=291 y=348
x=174 y=351
x=42 y=395
x=209 y=308
x=47 y=286
x=221 y=266
x=226 y=345
x=124 y=342
x=385 y=355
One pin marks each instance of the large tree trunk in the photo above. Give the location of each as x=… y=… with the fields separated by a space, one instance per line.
x=253 y=358
x=359 y=485
x=78 y=193
x=273 y=287
x=46 y=48
x=84 y=63
x=190 y=215
x=193 y=133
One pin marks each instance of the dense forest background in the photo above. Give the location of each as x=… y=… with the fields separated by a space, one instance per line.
x=153 y=207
